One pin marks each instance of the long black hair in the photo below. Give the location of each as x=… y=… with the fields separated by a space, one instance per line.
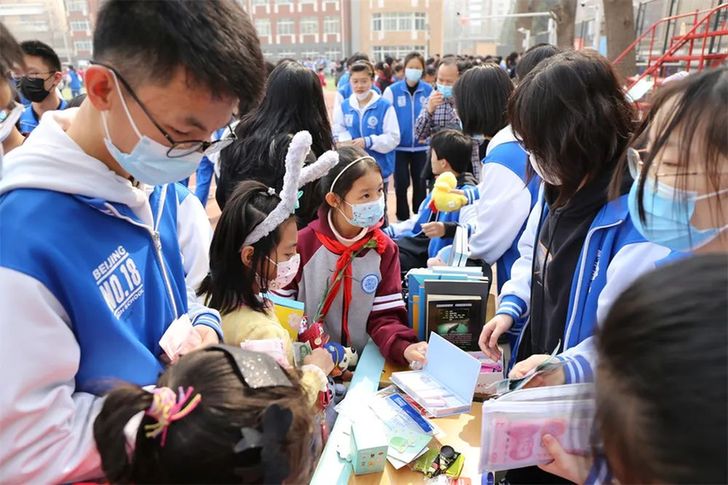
x=293 y=101
x=230 y=283
x=663 y=373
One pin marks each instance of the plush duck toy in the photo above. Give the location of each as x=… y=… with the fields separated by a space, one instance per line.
x=443 y=200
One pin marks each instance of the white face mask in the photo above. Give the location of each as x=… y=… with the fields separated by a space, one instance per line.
x=148 y=161
x=539 y=172
x=8 y=120
x=286 y=271
x=362 y=96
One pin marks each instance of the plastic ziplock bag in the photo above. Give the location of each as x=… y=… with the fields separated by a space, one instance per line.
x=514 y=424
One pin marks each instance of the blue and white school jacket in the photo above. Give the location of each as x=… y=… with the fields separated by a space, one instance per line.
x=376 y=123
x=91 y=276
x=346 y=91
x=465 y=217
x=614 y=254
x=506 y=200
x=29 y=119
x=408 y=107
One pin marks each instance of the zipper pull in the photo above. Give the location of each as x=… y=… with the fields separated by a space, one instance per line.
x=157 y=241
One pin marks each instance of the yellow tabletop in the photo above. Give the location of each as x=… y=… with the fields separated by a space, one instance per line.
x=462 y=432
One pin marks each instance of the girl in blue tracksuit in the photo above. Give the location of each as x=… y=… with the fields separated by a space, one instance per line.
x=579 y=249
x=368 y=121
x=408 y=97
x=680 y=183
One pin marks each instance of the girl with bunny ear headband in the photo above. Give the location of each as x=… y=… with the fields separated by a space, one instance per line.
x=254 y=250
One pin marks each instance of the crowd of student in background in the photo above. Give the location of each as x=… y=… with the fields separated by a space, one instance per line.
x=610 y=239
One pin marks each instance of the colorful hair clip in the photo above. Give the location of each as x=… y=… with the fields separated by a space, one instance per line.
x=167 y=408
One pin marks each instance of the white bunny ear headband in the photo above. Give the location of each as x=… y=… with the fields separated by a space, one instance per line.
x=296 y=176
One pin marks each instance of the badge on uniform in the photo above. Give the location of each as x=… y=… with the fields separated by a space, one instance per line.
x=370 y=283
x=401 y=101
x=349 y=120
x=372 y=121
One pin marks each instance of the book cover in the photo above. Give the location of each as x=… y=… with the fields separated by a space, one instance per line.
x=456 y=318
x=289 y=313
x=457 y=310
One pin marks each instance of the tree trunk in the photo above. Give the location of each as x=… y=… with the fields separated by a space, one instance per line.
x=565 y=16
x=620 y=33
x=522 y=6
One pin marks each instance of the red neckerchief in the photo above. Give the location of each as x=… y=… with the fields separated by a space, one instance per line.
x=343 y=268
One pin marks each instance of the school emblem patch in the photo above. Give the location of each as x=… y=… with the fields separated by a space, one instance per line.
x=369 y=283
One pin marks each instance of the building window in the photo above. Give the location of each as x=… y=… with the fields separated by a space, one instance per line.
x=285 y=27
x=398 y=22
x=396 y=51
x=284 y=2
x=309 y=54
x=77 y=6
x=287 y=55
x=260 y=2
x=303 y=2
x=376 y=22
x=262 y=26
x=83 y=45
x=331 y=25
x=80 y=26
x=309 y=25
x=420 y=21
x=333 y=54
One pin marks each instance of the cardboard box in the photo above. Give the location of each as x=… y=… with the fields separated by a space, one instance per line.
x=368 y=447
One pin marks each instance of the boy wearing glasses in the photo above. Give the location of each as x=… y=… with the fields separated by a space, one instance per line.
x=40 y=83
x=91 y=270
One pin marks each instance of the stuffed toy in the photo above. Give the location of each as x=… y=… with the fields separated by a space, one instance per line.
x=312 y=334
x=443 y=200
x=344 y=358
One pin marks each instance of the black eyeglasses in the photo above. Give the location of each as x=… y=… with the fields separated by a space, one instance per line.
x=177 y=149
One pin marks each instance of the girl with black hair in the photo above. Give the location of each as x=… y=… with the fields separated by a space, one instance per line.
x=678 y=185
x=241 y=274
x=481 y=96
x=506 y=193
x=293 y=101
x=218 y=415
x=579 y=249
x=408 y=97
x=350 y=276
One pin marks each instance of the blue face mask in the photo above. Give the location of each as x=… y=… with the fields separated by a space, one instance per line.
x=413 y=75
x=445 y=90
x=668 y=214
x=148 y=161
x=367 y=214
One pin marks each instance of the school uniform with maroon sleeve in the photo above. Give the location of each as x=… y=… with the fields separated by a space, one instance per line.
x=366 y=301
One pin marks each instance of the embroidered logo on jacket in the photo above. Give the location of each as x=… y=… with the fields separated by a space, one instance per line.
x=370 y=283
x=349 y=120
x=372 y=121
x=119 y=281
x=401 y=101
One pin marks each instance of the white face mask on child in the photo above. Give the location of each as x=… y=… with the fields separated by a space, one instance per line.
x=286 y=271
